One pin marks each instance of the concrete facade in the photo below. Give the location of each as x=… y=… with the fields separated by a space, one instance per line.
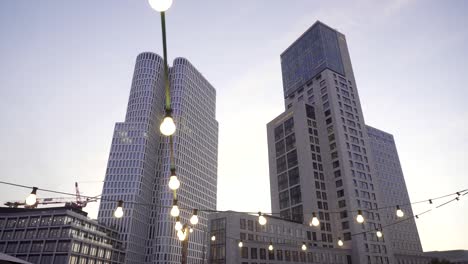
x=138 y=169
x=321 y=157
x=287 y=238
x=58 y=235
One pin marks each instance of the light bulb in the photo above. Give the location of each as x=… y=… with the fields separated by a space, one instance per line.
x=315 y=221
x=379 y=233
x=32 y=197
x=174 y=183
x=160 y=5
x=340 y=242
x=213 y=238
x=241 y=244
x=167 y=126
x=399 y=212
x=178 y=225
x=359 y=217
x=181 y=235
x=118 y=213
x=304 y=247
x=261 y=219
x=270 y=247
x=194 y=218
x=191 y=230
x=175 y=209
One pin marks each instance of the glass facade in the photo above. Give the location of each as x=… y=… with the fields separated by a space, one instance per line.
x=316 y=50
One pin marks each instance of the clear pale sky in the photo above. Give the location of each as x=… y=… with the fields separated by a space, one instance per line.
x=66 y=69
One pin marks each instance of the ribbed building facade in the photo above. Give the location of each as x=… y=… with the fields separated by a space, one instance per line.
x=138 y=167
x=404 y=237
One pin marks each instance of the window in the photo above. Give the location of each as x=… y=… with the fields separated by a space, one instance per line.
x=290 y=142
x=262 y=253
x=295 y=195
x=339 y=183
x=279 y=255
x=340 y=193
x=279 y=133
x=280 y=148
x=292 y=159
x=245 y=252
x=293 y=176
x=288 y=126
x=341 y=203
x=253 y=253
x=284 y=199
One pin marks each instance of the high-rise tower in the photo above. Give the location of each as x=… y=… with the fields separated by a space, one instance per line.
x=320 y=152
x=138 y=166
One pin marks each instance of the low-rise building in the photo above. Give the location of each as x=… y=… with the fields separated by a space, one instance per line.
x=454 y=256
x=58 y=235
x=287 y=238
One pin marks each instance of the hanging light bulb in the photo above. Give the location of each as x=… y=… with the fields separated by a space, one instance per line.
x=270 y=247
x=118 y=213
x=417 y=217
x=160 y=5
x=194 y=218
x=191 y=230
x=379 y=233
x=167 y=126
x=175 y=209
x=315 y=221
x=178 y=224
x=32 y=197
x=181 y=234
x=340 y=242
x=261 y=219
x=430 y=201
x=241 y=244
x=213 y=238
x=174 y=183
x=399 y=212
x=304 y=247
x=359 y=217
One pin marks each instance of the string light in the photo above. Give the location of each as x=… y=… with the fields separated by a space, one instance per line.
x=430 y=201
x=32 y=197
x=304 y=247
x=194 y=218
x=118 y=213
x=359 y=217
x=261 y=219
x=191 y=230
x=379 y=233
x=168 y=126
x=270 y=247
x=399 y=212
x=213 y=238
x=241 y=244
x=315 y=221
x=175 y=209
x=174 y=183
x=160 y=5
x=178 y=224
x=340 y=242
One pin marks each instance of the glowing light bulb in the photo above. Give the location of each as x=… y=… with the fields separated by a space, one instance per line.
x=213 y=238
x=304 y=247
x=261 y=219
x=160 y=5
x=118 y=213
x=175 y=209
x=399 y=212
x=379 y=233
x=359 y=217
x=178 y=224
x=270 y=247
x=241 y=244
x=181 y=235
x=315 y=221
x=167 y=126
x=194 y=218
x=32 y=197
x=191 y=230
x=174 y=183
x=340 y=242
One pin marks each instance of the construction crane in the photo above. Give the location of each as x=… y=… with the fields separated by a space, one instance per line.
x=77 y=202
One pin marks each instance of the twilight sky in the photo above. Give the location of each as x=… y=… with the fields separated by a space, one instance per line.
x=66 y=69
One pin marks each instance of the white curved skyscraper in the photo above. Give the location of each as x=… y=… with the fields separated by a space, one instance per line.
x=138 y=167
